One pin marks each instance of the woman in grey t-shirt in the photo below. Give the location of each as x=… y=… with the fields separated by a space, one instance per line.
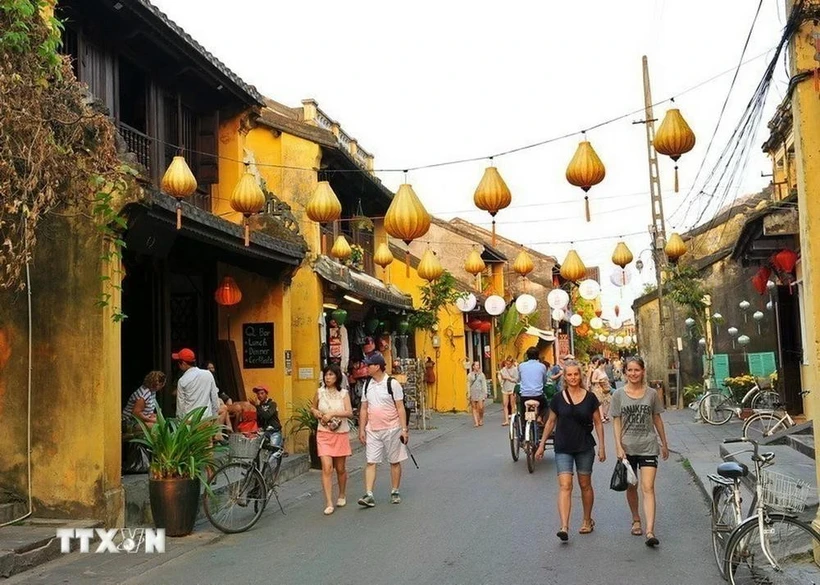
x=636 y=414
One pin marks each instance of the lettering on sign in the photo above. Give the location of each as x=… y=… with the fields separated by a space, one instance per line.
x=257 y=345
x=288 y=362
x=306 y=373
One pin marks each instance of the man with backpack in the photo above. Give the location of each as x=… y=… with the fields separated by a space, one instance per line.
x=382 y=427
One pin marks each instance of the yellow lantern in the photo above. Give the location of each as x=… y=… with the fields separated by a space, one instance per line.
x=573 y=268
x=179 y=182
x=406 y=219
x=622 y=255
x=383 y=256
x=247 y=198
x=585 y=170
x=429 y=266
x=341 y=249
x=675 y=247
x=674 y=138
x=474 y=264
x=324 y=206
x=492 y=194
x=523 y=263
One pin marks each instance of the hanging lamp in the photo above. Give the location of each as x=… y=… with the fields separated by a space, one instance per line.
x=179 y=182
x=573 y=268
x=247 y=198
x=429 y=266
x=523 y=264
x=674 y=138
x=492 y=194
x=622 y=255
x=324 y=206
x=585 y=170
x=675 y=247
x=341 y=250
x=383 y=257
x=406 y=218
x=475 y=265
x=227 y=293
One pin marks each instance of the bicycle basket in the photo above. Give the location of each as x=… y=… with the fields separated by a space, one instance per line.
x=243 y=447
x=783 y=492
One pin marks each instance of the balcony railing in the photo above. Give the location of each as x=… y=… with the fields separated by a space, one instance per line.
x=359 y=238
x=138 y=143
x=316 y=116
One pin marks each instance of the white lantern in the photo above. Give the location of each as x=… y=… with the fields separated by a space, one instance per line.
x=769 y=306
x=758 y=316
x=702 y=342
x=526 y=304
x=732 y=331
x=596 y=322
x=689 y=322
x=576 y=320
x=619 y=340
x=745 y=305
x=615 y=323
x=495 y=305
x=558 y=314
x=717 y=317
x=744 y=340
x=770 y=284
x=558 y=298
x=602 y=338
x=610 y=339
x=620 y=277
x=589 y=289
x=466 y=302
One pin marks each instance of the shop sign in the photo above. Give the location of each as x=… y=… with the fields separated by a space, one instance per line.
x=257 y=345
x=288 y=362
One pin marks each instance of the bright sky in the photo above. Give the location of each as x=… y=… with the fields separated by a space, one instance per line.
x=426 y=82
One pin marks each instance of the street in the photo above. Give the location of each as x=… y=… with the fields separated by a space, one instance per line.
x=469 y=515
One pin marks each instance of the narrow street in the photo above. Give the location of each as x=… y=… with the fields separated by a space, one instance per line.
x=469 y=515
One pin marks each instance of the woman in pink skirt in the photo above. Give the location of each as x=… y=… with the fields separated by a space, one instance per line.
x=331 y=406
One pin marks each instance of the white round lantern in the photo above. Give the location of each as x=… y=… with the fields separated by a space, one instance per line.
x=758 y=316
x=558 y=298
x=602 y=338
x=732 y=331
x=495 y=305
x=744 y=340
x=769 y=306
x=576 y=320
x=619 y=340
x=620 y=277
x=596 y=322
x=526 y=304
x=689 y=322
x=610 y=339
x=466 y=302
x=717 y=317
x=615 y=323
x=589 y=289
x=702 y=342
x=558 y=314
x=770 y=284
x=745 y=305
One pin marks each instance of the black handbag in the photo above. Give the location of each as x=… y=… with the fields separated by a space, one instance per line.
x=618 y=482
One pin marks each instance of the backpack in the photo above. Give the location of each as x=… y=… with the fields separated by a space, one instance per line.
x=389 y=391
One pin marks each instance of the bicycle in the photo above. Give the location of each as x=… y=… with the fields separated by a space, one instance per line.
x=772 y=545
x=238 y=491
x=762 y=425
x=716 y=407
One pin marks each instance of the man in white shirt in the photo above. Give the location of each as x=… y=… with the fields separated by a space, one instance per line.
x=196 y=387
x=382 y=427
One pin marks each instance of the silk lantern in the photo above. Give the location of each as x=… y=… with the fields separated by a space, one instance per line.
x=247 y=198
x=573 y=268
x=341 y=250
x=675 y=248
x=340 y=316
x=622 y=255
x=474 y=264
x=324 y=206
x=179 y=182
x=429 y=266
x=785 y=260
x=585 y=170
x=227 y=293
x=383 y=256
x=523 y=264
x=674 y=138
x=492 y=194
x=406 y=218
x=485 y=327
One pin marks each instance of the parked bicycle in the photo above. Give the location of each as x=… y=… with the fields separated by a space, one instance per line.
x=717 y=406
x=239 y=491
x=762 y=425
x=771 y=545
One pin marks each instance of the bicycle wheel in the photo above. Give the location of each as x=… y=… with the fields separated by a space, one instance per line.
x=789 y=542
x=715 y=408
x=762 y=425
x=766 y=400
x=236 y=499
x=529 y=446
x=724 y=520
x=515 y=443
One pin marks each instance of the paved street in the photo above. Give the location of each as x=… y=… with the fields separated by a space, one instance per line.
x=470 y=515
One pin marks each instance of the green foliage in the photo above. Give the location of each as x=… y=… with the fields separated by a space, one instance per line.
x=691 y=391
x=685 y=288
x=21 y=35
x=435 y=296
x=181 y=448
x=303 y=419
x=511 y=324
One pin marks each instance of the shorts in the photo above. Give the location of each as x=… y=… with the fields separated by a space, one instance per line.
x=637 y=461
x=386 y=443
x=582 y=461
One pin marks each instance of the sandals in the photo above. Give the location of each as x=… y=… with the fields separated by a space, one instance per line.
x=636 y=528
x=651 y=540
x=563 y=534
x=328 y=511
x=587 y=528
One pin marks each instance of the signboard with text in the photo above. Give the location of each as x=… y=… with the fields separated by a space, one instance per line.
x=257 y=345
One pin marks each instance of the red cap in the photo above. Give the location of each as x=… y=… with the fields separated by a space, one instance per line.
x=260 y=388
x=185 y=355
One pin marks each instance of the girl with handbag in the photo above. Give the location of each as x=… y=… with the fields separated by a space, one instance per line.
x=331 y=406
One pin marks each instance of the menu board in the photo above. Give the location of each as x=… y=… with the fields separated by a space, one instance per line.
x=257 y=345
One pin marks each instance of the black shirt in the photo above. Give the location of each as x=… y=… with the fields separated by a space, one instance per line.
x=573 y=429
x=267 y=415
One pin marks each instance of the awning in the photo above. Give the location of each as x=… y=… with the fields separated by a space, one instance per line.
x=546 y=335
x=361 y=284
x=765 y=232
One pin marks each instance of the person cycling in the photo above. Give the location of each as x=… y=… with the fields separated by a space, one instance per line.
x=533 y=377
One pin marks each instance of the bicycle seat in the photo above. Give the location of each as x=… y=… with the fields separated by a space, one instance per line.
x=732 y=470
x=764 y=457
x=532 y=403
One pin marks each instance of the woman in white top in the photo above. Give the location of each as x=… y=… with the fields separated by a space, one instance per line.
x=509 y=378
x=331 y=406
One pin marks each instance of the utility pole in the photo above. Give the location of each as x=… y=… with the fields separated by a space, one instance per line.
x=657 y=229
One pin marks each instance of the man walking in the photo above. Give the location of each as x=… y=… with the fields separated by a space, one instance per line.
x=382 y=427
x=196 y=387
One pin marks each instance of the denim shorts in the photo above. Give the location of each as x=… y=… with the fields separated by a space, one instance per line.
x=582 y=462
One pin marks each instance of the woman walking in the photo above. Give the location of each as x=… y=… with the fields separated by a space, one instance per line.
x=331 y=406
x=477 y=392
x=601 y=387
x=636 y=414
x=573 y=415
x=509 y=378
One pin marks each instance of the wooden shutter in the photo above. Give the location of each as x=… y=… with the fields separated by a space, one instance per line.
x=208 y=145
x=720 y=365
x=761 y=365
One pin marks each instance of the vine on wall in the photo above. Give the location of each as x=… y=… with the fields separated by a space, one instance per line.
x=435 y=296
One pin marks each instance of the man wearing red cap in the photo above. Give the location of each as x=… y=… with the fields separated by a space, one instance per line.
x=196 y=387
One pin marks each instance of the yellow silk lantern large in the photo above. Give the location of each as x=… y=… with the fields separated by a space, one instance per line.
x=675 y=247
x=324 y=206
x=247 y=198
x=622 y=255
x=674 y=138
x=585 y=170
x=406 y=219
x=523 y=264
x=429 y=266
x=179 y=182
x=341 y=250
x=573 y=268
x=492 y=194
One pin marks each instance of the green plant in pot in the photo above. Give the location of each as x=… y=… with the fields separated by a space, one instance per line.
x=182 y=450
x=303 y=420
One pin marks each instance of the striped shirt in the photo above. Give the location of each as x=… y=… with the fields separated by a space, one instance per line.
x=147 y=396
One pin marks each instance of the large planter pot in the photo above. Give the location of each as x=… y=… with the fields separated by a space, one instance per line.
x=313 y=450
x=174 y=504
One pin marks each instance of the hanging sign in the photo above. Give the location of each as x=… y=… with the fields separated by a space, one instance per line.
x=257 y=345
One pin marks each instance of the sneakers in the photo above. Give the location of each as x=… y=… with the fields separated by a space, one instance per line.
x=395 y=498
x=367 y=501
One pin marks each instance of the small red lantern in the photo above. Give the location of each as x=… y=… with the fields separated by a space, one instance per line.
x=617 y=310
x=474 y=324
x=228 y=293
x=785 y=260
x=485 y=327
x=760 y=280
x=598 y=312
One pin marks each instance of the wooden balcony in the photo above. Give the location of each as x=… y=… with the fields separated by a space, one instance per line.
x=359 y=238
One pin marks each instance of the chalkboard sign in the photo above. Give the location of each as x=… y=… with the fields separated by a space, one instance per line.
x=257 y=345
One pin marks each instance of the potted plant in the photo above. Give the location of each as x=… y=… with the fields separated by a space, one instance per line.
x=303 y=420
x=182 y=450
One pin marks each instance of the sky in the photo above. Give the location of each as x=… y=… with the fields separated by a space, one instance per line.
x=425 y=82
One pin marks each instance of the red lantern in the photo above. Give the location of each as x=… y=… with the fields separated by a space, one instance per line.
x=785 y=260
x=228 y=293
x=617 y=310
x=598 y=312
x=759 y=284
x=474 y=324
x=485 y=327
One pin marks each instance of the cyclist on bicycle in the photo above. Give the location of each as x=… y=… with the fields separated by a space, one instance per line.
x=533 y=376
